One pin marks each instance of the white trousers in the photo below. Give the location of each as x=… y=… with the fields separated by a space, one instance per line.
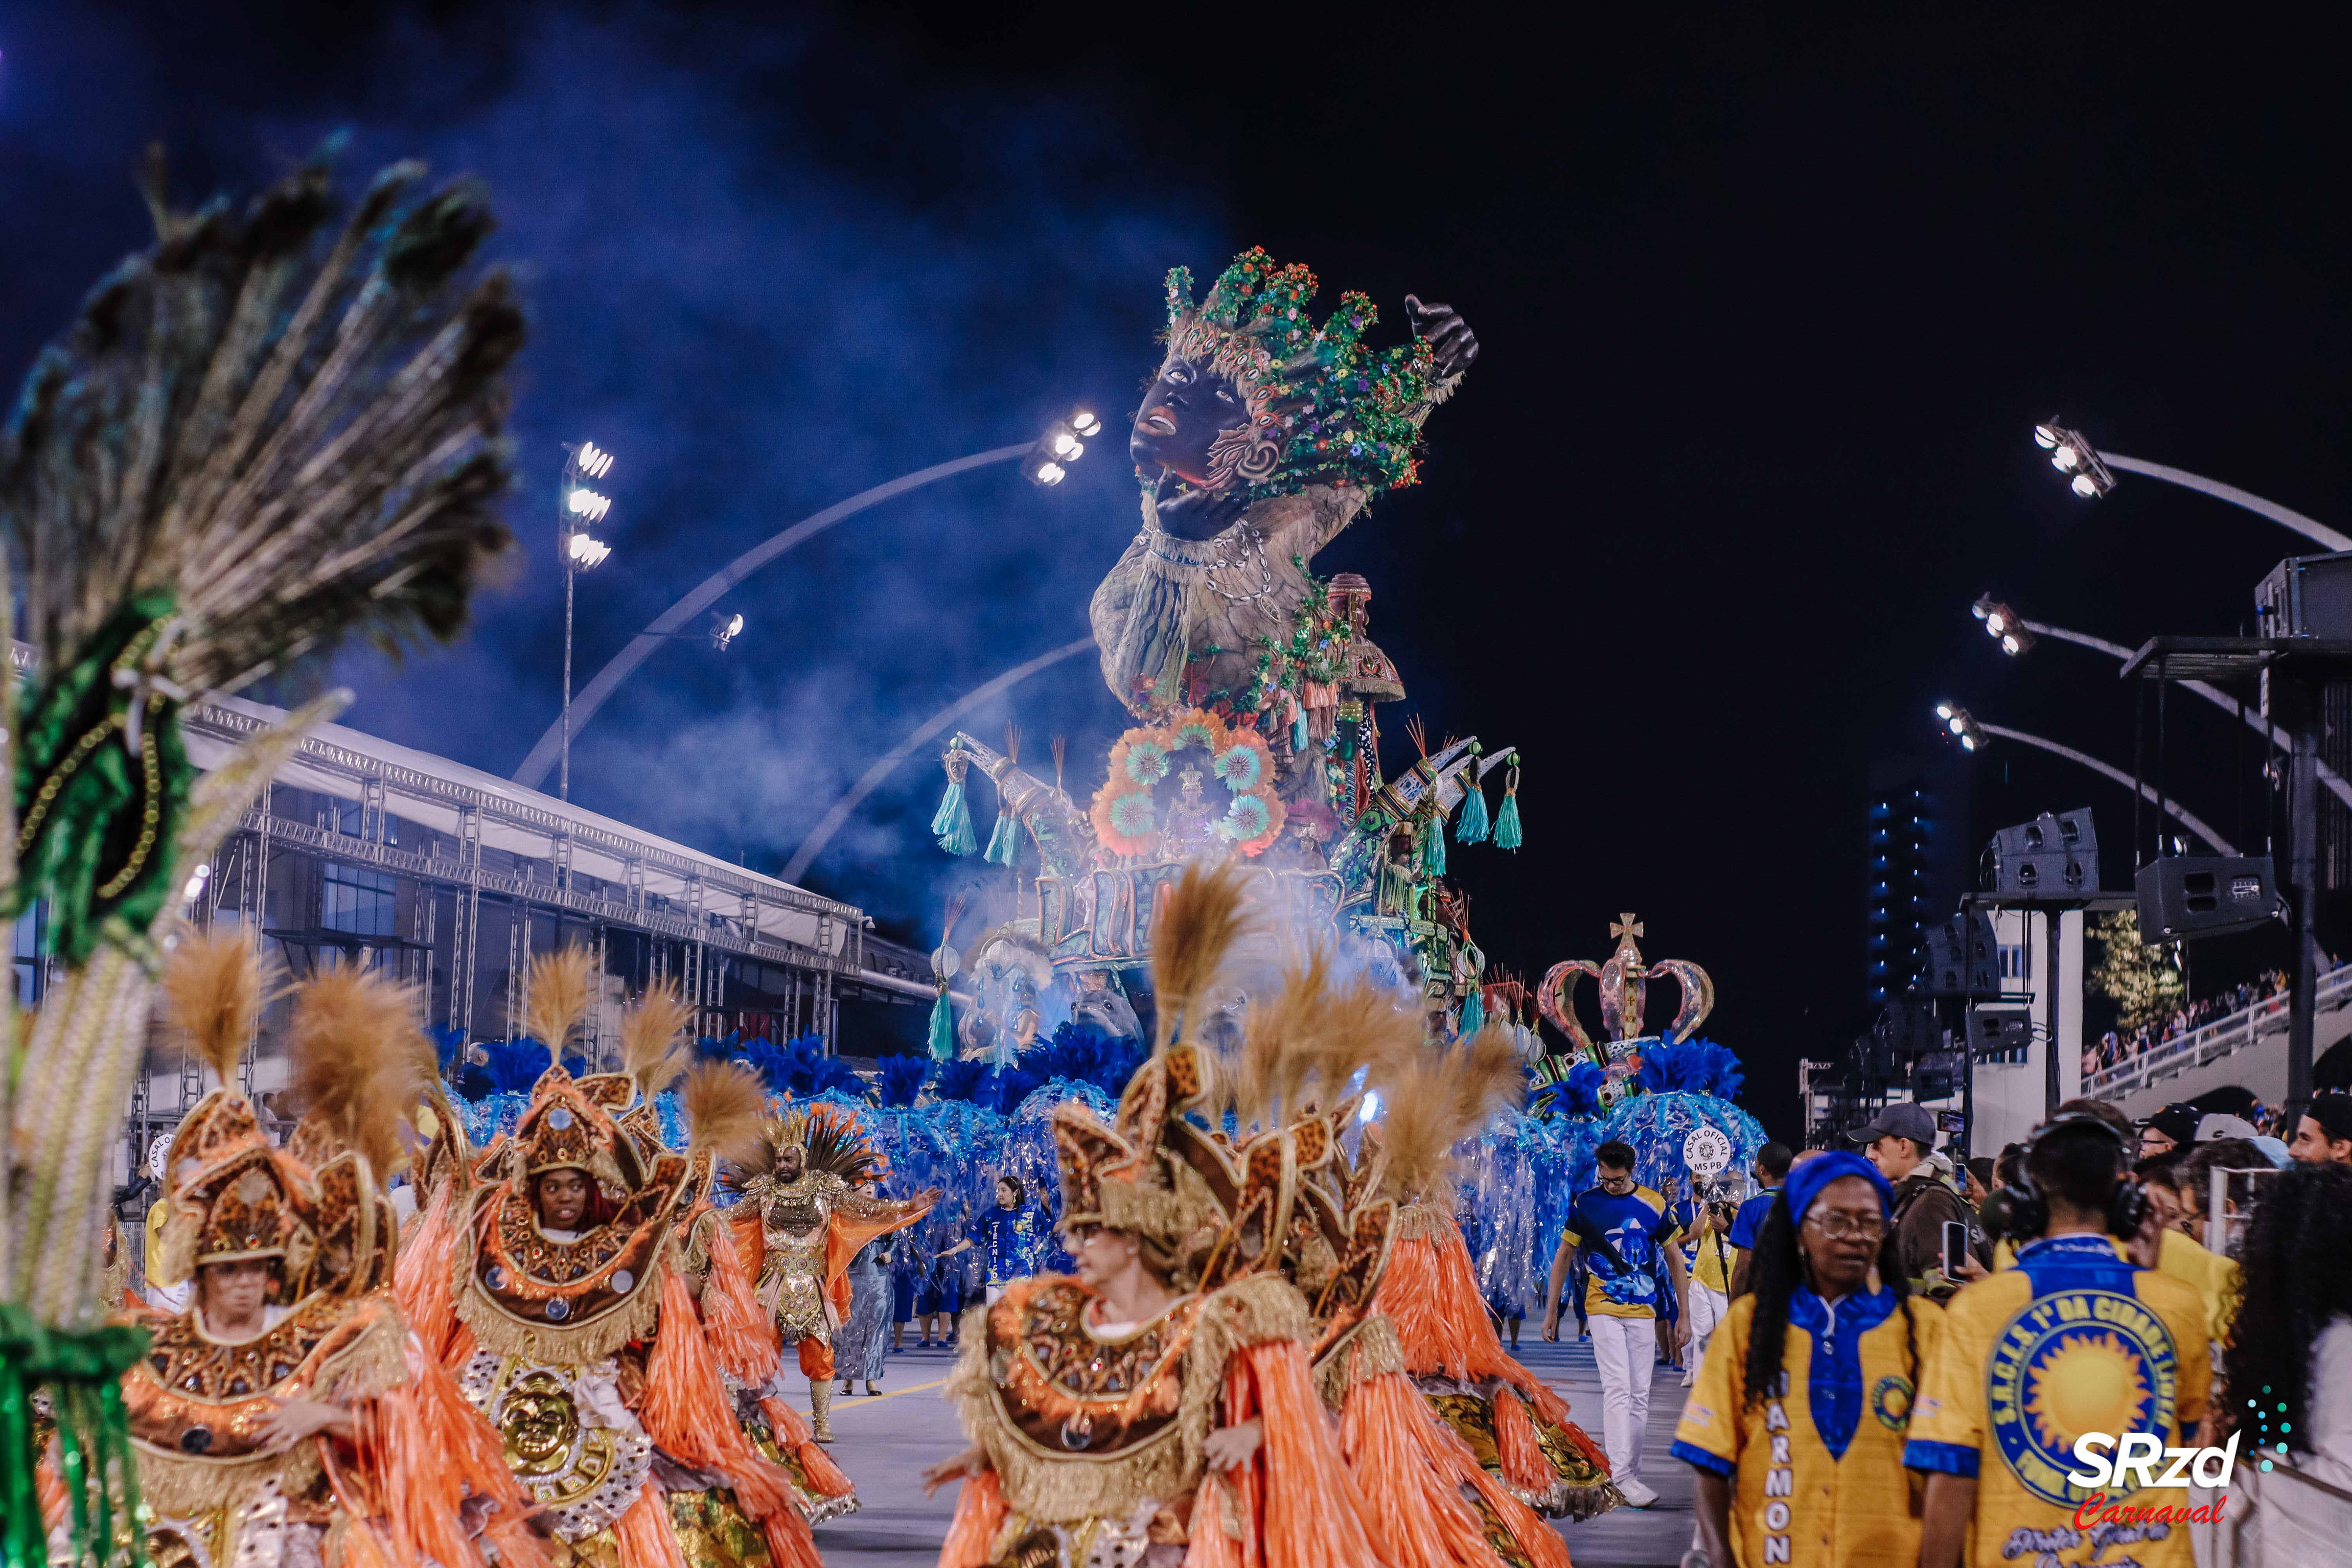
x=1625 y=1349
x=1707 y=1309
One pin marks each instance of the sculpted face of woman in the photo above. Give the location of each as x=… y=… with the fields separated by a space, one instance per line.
x=1185 y=409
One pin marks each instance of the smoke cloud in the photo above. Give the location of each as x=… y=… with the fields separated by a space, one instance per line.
x=767 y=269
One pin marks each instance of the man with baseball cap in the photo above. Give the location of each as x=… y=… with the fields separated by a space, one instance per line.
x=2169 y=1129
x=2324 y=1134
x=1898 y=1140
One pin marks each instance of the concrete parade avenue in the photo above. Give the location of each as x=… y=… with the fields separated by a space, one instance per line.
x=886 y=1442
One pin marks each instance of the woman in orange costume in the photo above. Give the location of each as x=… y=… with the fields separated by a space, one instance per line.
x=1158 y=1408
x=288 y=1416
x=577 y=1332
x=1439 y=1508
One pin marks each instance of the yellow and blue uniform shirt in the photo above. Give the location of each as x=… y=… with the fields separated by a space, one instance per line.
x=1708 y=1254
x=2073 y=1339
x=2183 y=1256
x=1818 y=1478
x=1636 y=1229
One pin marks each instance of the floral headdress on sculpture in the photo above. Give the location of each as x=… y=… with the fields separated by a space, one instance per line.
x=1323 y=407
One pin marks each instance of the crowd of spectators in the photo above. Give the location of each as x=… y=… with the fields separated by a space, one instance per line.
x=2117 y=1046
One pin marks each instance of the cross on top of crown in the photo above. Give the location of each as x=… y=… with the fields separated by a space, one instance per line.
x=1625 y=925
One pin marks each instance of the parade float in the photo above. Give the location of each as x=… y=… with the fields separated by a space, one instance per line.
x=1254 y=685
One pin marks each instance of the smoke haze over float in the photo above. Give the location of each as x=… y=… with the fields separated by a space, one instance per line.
x=1769 y=307
x=727 y=294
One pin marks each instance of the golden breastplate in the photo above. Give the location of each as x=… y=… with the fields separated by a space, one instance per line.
x=585 y=1473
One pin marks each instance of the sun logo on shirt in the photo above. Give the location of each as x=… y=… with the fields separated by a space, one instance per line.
x=2077 y=1359
x=2088 y=1383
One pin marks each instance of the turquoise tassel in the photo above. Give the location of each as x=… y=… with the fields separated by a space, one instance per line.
x=942 y=1029
x=1432 y=849
x=1506 y=821
x=952 y=824
x=1474 y=1013
x=1470 y=822
x=1005 y=840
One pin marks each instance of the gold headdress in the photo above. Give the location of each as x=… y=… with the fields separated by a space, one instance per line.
x=1206 y=1214
x=565 y=1127
x=232 y=1194
x=829 y=1140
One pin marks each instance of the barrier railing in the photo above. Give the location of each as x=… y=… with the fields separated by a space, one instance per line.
x=2296 y=1521
x=2210 y=1042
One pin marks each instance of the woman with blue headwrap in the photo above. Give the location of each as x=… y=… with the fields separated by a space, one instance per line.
x=1797 y=1422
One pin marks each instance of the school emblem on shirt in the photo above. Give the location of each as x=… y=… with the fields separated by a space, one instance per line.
x=1890 y=1401
x=2073 y=1361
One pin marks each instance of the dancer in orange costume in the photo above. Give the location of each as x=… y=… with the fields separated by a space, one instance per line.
x=1511 y=1419
x=577 y=1332
x=1158 y=1408
x=725 y=1104
x=1306 y=1055
x=289 y=1412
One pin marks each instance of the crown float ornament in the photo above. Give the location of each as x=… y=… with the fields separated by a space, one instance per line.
x=1625 y=996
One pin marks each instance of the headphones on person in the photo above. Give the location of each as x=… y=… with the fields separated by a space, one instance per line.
x=2025 y=1214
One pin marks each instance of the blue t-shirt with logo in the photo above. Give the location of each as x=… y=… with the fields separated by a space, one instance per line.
x=1637 y=1229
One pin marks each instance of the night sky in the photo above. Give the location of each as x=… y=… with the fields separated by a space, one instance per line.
x=1768 y=309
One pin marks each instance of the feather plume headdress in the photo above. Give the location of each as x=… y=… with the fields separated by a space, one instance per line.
x=215 y=983
x=361 y=1066
x=557 y=994
x=829 y=1140
x=1431 y=1099
x=260 y=434
x=653 y=1052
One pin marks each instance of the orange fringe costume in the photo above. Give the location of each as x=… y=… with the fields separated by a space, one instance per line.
x=797 y=1235
x=741 y=1337
x=1439 y=1508
x=1090 y=1445
x=589 y=1356
x=421 y=1476
x=1518 y=1428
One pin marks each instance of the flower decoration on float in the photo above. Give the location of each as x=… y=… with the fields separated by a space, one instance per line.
x=1127 y=817
x=1323 y=407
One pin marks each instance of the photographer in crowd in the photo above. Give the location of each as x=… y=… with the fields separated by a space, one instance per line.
x=1771 y=1168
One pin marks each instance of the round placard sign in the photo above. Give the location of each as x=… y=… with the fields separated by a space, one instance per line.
x=1707 y=1152
x=156 y=1150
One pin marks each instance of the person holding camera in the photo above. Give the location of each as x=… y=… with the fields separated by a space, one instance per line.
x=2073 y=1340
x=1705 y=1218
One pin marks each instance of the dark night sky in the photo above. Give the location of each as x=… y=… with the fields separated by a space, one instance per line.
x=1769 y=308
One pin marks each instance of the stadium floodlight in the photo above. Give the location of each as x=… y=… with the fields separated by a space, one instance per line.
x=2075 y=457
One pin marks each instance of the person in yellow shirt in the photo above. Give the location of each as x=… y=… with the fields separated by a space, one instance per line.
x=1816 y=1481
x=1706 y=1226
x=2073 y=1339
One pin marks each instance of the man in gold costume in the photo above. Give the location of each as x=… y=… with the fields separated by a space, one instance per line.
x=802 y=1220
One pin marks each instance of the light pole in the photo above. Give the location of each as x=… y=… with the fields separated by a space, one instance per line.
x=2016 y=636
x=576 y=508
x=2092 y=474
x=1974 y=735
x=1045 y=462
